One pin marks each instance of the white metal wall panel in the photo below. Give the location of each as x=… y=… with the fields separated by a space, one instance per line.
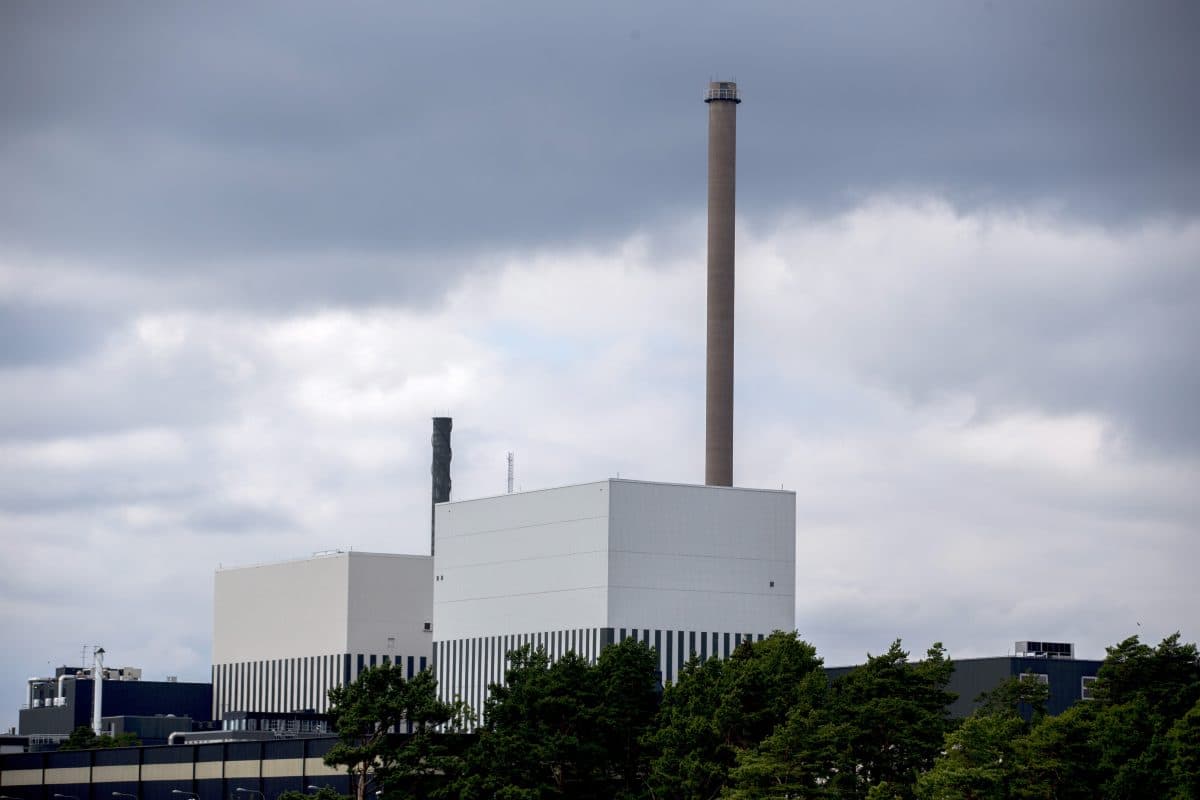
x=701 y=557
x=709 y=520
x=281 y=631
x=535 y=561
x=283 y=610
x=390 y=600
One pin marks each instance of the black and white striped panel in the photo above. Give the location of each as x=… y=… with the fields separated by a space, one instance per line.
x=465 y=668
x=675 y=647
x=294 y=684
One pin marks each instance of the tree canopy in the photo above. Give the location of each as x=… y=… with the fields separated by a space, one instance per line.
x=84 y=738
x=374 y=716
x=1139 y=737
x=767 y=723
x=565 y=727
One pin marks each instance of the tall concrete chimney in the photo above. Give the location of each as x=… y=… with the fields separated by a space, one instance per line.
x=722 y=98
x=440 y=471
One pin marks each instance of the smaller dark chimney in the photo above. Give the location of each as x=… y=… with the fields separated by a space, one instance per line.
x=441 y=472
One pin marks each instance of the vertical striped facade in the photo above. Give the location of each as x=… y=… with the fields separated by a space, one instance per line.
x=466 y=667
x=295 y=684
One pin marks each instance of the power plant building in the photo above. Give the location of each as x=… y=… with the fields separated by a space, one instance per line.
x=60 y=703
x=685 y=569
x=286 y=633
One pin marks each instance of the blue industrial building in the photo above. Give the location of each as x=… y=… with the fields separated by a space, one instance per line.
x=58 y=705
x=1052 y=663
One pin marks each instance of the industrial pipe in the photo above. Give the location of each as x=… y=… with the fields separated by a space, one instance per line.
x=441 y=472
x=97 y=689
x=62 y=698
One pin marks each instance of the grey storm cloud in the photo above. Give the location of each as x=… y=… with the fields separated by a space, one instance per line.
x=192 y=137
x=236 y=518
x=1110 y=346
x=247 y=250
x=101 y=397
x=39 y=334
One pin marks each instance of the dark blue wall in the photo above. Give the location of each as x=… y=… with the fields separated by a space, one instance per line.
x=121 y=698
x=973 y=676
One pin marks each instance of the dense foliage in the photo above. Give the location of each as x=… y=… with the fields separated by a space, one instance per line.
x=373 y=717
x=869 y=734
x=565 y=728
x=323 y=793
x=84 y=738
x=1140 y=737
x=766 y=722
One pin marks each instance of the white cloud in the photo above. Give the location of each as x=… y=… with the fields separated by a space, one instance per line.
x=140 y=447
x=936 y=387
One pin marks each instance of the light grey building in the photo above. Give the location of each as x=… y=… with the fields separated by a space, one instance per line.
x=686 y=569
x=285 y=633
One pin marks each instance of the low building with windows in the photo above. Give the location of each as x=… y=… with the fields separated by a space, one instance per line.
x=58 y=704
x=1069 y=679
x=212 y=770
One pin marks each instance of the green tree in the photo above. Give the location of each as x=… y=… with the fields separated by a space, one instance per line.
x=869 y=734
x=1124 y=744
x=896 y=714
x=1167 y=677
x=370 y=715
x=1014 y=694
x=691 y=756
x=979 y=758
x=799 y=757
x=630 y=695
x=565 y=727
x=324 y=793
x=538 y=735
x=1059 y=758
x=84 y=738
x=1141 y=692
x=978 y=761
x=1184 y=744
x=763 y=683
x=718 y=708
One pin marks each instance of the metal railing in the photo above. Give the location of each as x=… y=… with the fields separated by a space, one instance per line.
x=723 y=91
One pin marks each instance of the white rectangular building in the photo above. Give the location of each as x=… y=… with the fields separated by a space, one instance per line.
x=686 y=569
x=285 y=633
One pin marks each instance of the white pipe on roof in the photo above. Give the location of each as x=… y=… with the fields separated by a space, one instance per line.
x=97 y=690
x=62 y=699
x=31 y=682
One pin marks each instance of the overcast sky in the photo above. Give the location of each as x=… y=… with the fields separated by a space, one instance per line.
x=247 y=252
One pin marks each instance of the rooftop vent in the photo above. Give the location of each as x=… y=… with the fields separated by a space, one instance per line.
x=1045 y=649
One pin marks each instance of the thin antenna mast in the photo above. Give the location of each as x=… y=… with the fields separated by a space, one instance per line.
x=510 y=471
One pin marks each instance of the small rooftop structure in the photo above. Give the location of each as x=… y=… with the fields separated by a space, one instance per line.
x=1031 y=649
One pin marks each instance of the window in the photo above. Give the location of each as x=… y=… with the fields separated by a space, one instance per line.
x=1085 y=687
x=1040 y=677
